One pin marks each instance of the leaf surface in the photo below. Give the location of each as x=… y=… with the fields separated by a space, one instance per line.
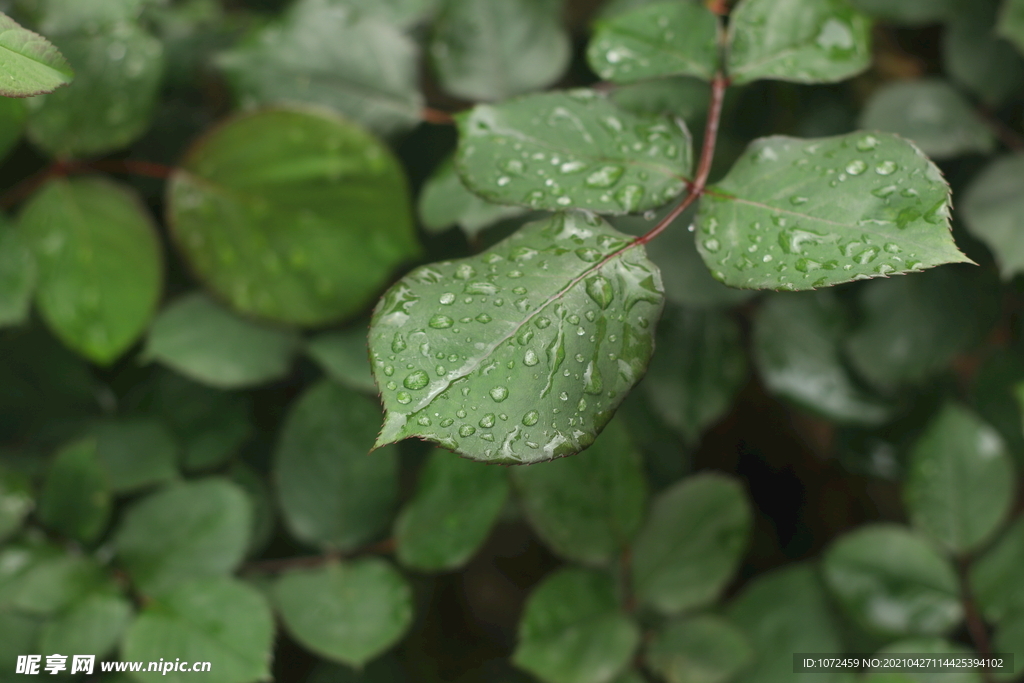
x=978 y=59
x=76 y=499
x=996 y=580
x=344 y=357
x=31 y=64
x=699 y=649
x=445 y=202
x=993 y=208
x=1011 y=22
x=17 y=274
x=912 y=12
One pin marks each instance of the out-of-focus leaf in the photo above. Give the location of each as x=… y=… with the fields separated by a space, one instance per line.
x=134 y=453
x=907 y=11
x=701 y=649
x=75 y=499
x=445 y=201
x=344 y=357
x=686 y=98
x=16 y=501
x=1011 y=22
x=13 y=113
x=17 y=271
x=996 y=580
x=979 y=60
x=993 y=208
x=933 y=646
x=91 y=626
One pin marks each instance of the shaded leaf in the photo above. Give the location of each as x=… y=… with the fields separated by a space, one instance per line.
x=993 y=208
x=19 y=633
x=263 y=518
x=134 y=453
x=907 y=11
x=1009 y=637
x=684 y=97
x=54 y=581
x=933 y=646
x=13 y=113
x=344 y=357
x=17 y=273
x=976 y=58
x=996 y=580
x=16 y=501
x=1011 y=22
x=546 y=332
x=31 y=63
x=402 y=13
x=64 y=16
x=445 y=201
x=701 y=649
x=799 y=214
x=75 y=499
x=92 y=625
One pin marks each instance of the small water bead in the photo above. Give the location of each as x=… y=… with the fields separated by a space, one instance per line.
x=883 y=192
x=856 y=167
x=480 y=288
x=524 y=336
x=573 y=319
x=483 y=318
x=389 y=370
x=629 y=197
x=391 y=386
x=712 y=245
x=530 y=358
x=467 y=430
x=416 y=380
x=606 y=176
x=590 y=315
x=460 y=413
x=519 y=290
x=447 y=299
x=447 y=422
x=867 y=143
x=423 y=421
x=498 y=394
x=440 y=322
x=440 y=370
x=404 y=397
x=580 y=357
x=513 y=166
x=487 y=421
x=866 y=256
x=531 y=418
x=798 y=201
x=892 y=248
x=542 y=322
x=599 y=289
x=886 y=168
x=589 y=254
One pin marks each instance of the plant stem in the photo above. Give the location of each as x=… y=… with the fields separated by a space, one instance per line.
x=707 y=155
x=61 y=168
x=975 y=623
x=277 y=565
x=441 y=118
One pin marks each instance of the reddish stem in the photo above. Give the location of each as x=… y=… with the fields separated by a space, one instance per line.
x=975 y=622
x=62 y=167
x=385 y=547
x=441 y=118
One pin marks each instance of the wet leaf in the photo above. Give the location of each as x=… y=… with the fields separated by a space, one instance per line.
x=344 y=357
x=64 y=16
x=546 y=332
x=996 y=579
x=907 y=11
x=264 y=206
x=665 y=39
x=17 y=274
x=445 y=202
x=700 y=649
x=75 y=500
x=799 y=214
x=979 y=60
x=804 y=41
x=30 y=63
x=572 y=149
x=1011 y=22
x=993 y=208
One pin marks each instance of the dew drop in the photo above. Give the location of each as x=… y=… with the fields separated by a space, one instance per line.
x=571 y=167
x=404 y=397
x=389 y=370
x=629 y=197
x=461 y=412
x=483 y=318
x=398 y=343
x=424 y=421
x=606 y=176
x=487 y=421
x=416 y=380
x=883 y=192
x=467 y=430
x=886 y=168
x=447 y=299
x=856 y=167
x=524 y=337
x=588 y=254
x=542 y=322
x=530 y=358
x=499 y=394
x=447 y=422
x=867 y=143
x=797 y=201
x=712 y=246
x=440 y=322
x=600 y=290
x=531 y=418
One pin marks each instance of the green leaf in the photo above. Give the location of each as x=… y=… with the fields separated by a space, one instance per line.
x=691 y=544
x=485 y=50
x=217 y=620
x=665 y=39
x=558 y=317
x=263 y=206
x=346 y=612
x=30 y=63
x=799 y=214
x=572 y=630
x=1011 y=22
x=701 y=649
x=211 y=345
x=13 y=113
x=111 y=103
x=19 y=634
x=21 y=560
x=16 y=501
x=17 y=273
x=798 y=349
x=933 y=646
x=402 y=13
x=331 y=492
x=1009 y=637
x=134 y=453
x=93 y=625
x=699 y=368
x=99 y=260
x=572 y=149
x=907 y=11
x=189 y=530
x=75 y=499
x=54 y=582
x=993 y=208
x=996 y=580
x=263 y=517
x=803 y=41
x=979 y=60
x=782 y=612
x=891 y=582
x=445 y=201
x=931 y=113
x=587 y=508
x=344 y=357
x=335 y=55
x=64 y=16
x=960 y=480
x=453 y=510
x=687 y=98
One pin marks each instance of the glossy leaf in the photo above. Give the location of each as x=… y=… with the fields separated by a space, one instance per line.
x=264 y=206
x=346 y=612
x=573 y=632
x=13 y=113
x=344 y=357
x=798 y=350
x=453 y=510
x=217 y=620
x=691 y=543
x=931 y=113
x=332 y=54
x=331 y=492
x=701 y=649
x=545 y=333
x=572 y=149
x=892 y=583
x=445 y=202
x=960 y=480
x=996 y=580
x=16 y=501
x=100 y=270
x=134 y=453
x=188 y=530
x=799 y=214
x=93 y=625
x=1011 y=22
x=664 y=39
x=76 y=499
x=979 y=60
x=907 y=11
x=30 y=63
x=17 y=274
x=485 y=50
x=697 y=371
x=587 y=508
x=804 y=41
x=209 y=344
x=993 y=208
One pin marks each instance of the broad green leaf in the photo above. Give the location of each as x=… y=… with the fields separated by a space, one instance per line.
x=1011 y=22
x=996 y=579
x=75 y=499
x=798 y=350
x=13 y=113
x=455 y=505
x=17 y=274
x=800 y=214
x=995 y=397
x=572 y=149
x=783 y=612
x=572 y=630
x=405 y=14
x=666 y=458
x=92 y=625
x=16 y=501
x=804 y=41
x=931 y=113
x=189 y=530
x=589 y=507
x=99 y=261
x=892 y=582
x=960 y=481
x=701 y=649
x=218 y=620
x=932 y=646
x=665 y=39
x=993 y=208
x=64 y=16
x=19 y=634
x=335 y=55
x=20 y=560
x=691 y=543
x=264 y=206
x=979 y=60
x=913 y=327
x=445 y=201
x=30 y=63
x=347 y=612
x=1009 y=637
x=684 y=97
x=699 y=367
x=907 y=11
x=344 y=357
x=55 y=582
x=111 y=102
x=546 y=331
x=134 y=453
x=485 y=50
x=332 y=493
x=209 y=344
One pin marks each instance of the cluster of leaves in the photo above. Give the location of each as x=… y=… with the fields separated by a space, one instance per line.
x=143 y=506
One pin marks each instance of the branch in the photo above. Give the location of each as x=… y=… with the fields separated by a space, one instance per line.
x=1006 y=135
x=975 y=623
x=441 y=118
x=277 y=565
x=62 y=168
